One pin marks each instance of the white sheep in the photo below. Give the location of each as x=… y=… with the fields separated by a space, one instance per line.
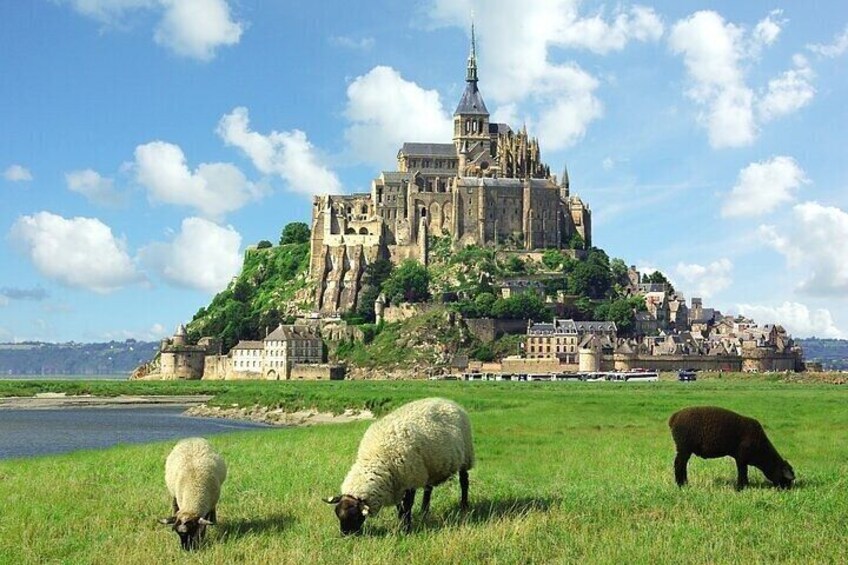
x=194 y=473
x=421 y=444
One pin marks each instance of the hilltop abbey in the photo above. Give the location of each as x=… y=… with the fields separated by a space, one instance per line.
x=488 y=186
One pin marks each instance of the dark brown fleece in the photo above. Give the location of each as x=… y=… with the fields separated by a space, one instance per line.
x=710 y=432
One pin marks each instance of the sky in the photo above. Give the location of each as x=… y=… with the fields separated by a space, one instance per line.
x=145 y=143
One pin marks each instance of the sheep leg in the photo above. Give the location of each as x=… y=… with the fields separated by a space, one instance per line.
x=174 y=506
x=463 y=487
x=425 y=501
x=680 y=463
x=212 y=516
x=742 y=474
x=405 y=509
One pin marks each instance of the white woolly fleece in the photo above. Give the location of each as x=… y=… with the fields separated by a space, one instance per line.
x=194 y=473
x=421 y=443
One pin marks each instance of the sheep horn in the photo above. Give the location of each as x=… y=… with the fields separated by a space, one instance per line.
x=332 y=499
x=168 y=521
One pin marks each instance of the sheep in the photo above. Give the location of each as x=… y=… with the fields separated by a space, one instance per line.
x=710 y=432
x=421 y=444
x=194 y=473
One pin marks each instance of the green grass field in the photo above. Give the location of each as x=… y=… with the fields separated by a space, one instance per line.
x=565 y=472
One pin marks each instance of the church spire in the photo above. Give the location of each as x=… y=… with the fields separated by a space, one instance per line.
x=471 y=74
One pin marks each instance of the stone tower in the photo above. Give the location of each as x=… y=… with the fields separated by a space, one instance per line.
x=471 y=123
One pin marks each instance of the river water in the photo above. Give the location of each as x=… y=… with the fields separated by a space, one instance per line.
x=25 y=433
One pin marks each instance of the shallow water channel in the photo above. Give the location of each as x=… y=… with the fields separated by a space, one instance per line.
x=26 y=433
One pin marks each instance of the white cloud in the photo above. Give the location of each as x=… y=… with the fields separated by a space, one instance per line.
x=835 y=49
x=287 y=154
x=3 y=301
x=594 y=33
x=705 y=280
x=94 y=187
x=348 y=42
x=762 y=187
x=815 y=245
x=385 y=110
x=212 y=188
x=189 y=28
x=196 y=28
x=518 y=50
x=608 y=163
x=17 y=173
x=77 y=252
x=790 y=91
x=202 y=256
x=796 y=318
x=154 y=333
x=716 y=54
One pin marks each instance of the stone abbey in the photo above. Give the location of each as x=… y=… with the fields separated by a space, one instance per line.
x=489 y=186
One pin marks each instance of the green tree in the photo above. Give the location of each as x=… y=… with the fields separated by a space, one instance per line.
x=591 y=279
x=521 y=306
x=375 y=274
x=295 y=232
x=658 y=278
x=483 y=303
x=576 y=241
x=515 y=265
x=552 y=259
x=619 y=269
x=409 y=282
x=264 y=244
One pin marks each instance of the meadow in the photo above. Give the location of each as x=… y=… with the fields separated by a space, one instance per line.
x=565 y=472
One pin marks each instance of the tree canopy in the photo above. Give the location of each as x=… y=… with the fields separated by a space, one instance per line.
x=409 y=282
x=295 y=232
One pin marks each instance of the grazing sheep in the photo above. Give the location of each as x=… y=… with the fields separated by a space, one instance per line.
x=421 y=444
x=194 y=473
x=710 y=432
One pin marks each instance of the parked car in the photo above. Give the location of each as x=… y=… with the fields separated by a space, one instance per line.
x=685 y=375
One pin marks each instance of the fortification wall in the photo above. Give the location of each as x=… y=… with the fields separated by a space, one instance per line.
x=405 y=310
x=489 y=329
x=726 y=363
x=543 y=365
x=317 y=372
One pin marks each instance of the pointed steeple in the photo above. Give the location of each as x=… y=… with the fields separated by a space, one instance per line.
x=471 y=73
x=564 y=183
x=471 y=101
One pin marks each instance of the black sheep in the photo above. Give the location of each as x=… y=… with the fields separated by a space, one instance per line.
x=710 y=432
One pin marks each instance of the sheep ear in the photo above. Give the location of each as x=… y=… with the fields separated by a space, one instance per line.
x=205 y=522
x=365 y=510
x=168 y=521
x=332 y=499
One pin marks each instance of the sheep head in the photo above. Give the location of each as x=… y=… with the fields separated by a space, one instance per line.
x=783 y=476
x=190 y=528
x=351 y=513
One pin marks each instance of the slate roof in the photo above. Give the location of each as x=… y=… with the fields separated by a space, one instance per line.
x=499 y=128
x=248 y=344
x=289 y=332
x=471 y=101
x=429 y=149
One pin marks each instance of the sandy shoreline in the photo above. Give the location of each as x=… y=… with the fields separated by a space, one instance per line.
x=56 y=401
x=195 y=404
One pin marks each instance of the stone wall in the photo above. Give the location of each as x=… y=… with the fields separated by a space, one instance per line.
x=489 y=329
x=317 y=372
x=521 y=365
x=405 y=310
x=726 y=363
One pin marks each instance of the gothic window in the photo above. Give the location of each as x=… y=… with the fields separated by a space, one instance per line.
x=363 y=231
x=364 y=209
x=423 y=212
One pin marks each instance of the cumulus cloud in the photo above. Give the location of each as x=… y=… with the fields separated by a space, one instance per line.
x=814 y=244
x=213 y=189
x=385 y=110
x=197 y=28
x=715 y=53
x=153 y=333
x=763 y=186
x=705 y=280
x=834 y=49
x=94 y=187
x=288 y=154
x=202 y=256
x=518 y=50
x=189 y=28
x=797 y=318
x=788 y=92
x=17 y=173
x=76 y=252
x=596 y=34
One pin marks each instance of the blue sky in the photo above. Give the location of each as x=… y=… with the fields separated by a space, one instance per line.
x=146 y=143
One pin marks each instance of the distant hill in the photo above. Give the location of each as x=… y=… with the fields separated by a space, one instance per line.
x=36 y=358
x=831 y=353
